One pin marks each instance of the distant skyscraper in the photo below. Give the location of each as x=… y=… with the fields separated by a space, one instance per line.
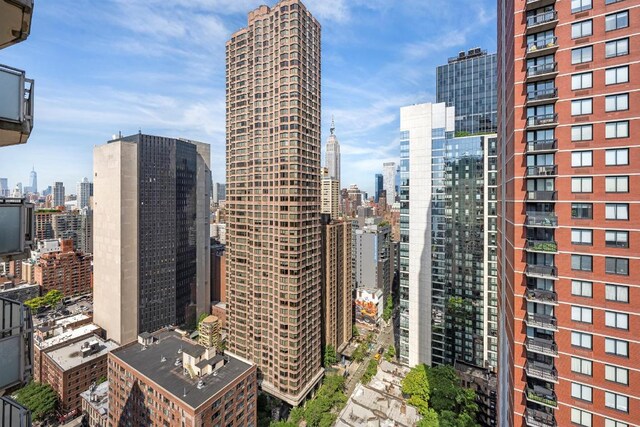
x=219 y=192
x=372 y=252
x=84 y=192
x=330 y=195
x=332 y=154
x=273 y=201
x=58 y=194
x=47 y=191
x=389 y=181
x=379 y=186
x=33 y=181
x=4 y=188
x=151 y=234
x=469 y=83
x=17 y=190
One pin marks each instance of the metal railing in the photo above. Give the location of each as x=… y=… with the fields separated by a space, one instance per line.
x=541 y=195
x=542 y=44
x=542 y=396
x=541 y=219
x=546 y=170
x=541 y=371
x=542 y=346
x=548 y=246
x=542 y=119
x=542 y=295
x=541 y=145
x=536 y=418
x=542 y=321
x=540 y=69
x=543 y=271
x=542 y=18
x=542 y=94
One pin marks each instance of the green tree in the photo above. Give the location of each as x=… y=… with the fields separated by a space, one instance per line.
x=360 y=352
x=330 y=357
x=282 y=424
x=355 y=332
x=101 y=380
x=391 y=353
x=456 y=405
x=202 y=317
x=388 y=309
x=370 y=372
x=40 y=399
x=429 y=419
x=53 y=297
x=416 y=383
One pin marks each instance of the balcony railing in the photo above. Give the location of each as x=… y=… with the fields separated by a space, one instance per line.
x=546 y=170
x=536 y=4
x=540 y=295
x=536 y=418
x=542 y=346
x=542 y=321
x=16 y=106
x=542 y=69
x=542 y=94
x=541 y=145
x=541 y=371
x=542 y=396
x=542 y=44
x=542 y=18
x=543 y=271
x=541 y=219
x=542 y=120
x=547 y=246
x=541 y=195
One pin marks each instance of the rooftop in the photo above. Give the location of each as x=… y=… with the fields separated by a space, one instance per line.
x=98 y=398
x=71 y=356
x=158 y=362
x=380 y=403
x=65 y=336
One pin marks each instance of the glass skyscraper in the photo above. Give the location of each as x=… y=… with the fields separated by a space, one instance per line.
x=468 y=83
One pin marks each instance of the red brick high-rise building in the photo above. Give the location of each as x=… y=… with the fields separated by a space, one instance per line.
x=569 y=217
x=68 y=271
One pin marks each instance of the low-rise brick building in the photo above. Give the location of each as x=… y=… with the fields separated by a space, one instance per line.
x=164 y=379
x=68 y=271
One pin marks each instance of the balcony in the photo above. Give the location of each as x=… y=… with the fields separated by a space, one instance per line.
x=541 y=145
x=542 y=71
x=542 y=371
x=542 y=346
x=544 y=246
x=542 y=120
x=16 y=338
x=15 y=21
x=14 y=414
x=542 y=296
x=542 y=170
x=541 y=271
x=18 y=228
x=543 y=321
x=537 y=418
x=16 y=106
x=542 y=396
x=542 y=96
x=541 y=196
x=537 y=4
x=542 y=47
x=541 y=219
x=542 y=21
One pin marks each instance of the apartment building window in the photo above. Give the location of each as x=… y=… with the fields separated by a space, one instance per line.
x=582 y=133
x=617 y=184
x=616 y=157
x=619 y=211
x=581 y=314
x=617 y=347
x=582 y=29
x=582 y=288
x=617 y=293
x=581 y=391
x=580 y=107
x=608 y=422
x=616 y=21
x=616 y=401
x=581 y=366
x=616 y=239
x=581 y=55
x=612 y=2
x=616 y=374
x=582 y=210
x=580 y=339
x=581 y=159
x=616 y=48
x=581 y=236
x=617 y=129
x=580 y=417
x=580 y=5
x=618 y=266
x=616 y=320
x=617 y=75
x=582 y=262
x=582 y=185
x=582 y=81
x=619 y=102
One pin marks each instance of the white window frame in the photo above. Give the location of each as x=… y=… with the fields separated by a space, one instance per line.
x=582 y=184
x=581 y=159
x=582 y=236
x=582 y=81
x=582 y=288
x=617 y=211
x=582 y=29
x=614 y=17
x=616 y=401
x=617 y=102
x=618 y=238
x=614 y=319
x=584 y=54
x=582 y=392
x=607 y=421
x=582 y=366
x=616 y=184
x=617 y=293
x=618 y=129
x=581 y=418
x=616 y=374
x=617 y=347
x=616 y=157
x=582 y=340
x=580 y=5
x=615 y=48
x=617 y=75
x=582 y=107
x=581 y=314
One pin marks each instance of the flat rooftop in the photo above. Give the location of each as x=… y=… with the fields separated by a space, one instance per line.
x=69 y=335
x=70 y=356
x=169 y=345
x=100 y=401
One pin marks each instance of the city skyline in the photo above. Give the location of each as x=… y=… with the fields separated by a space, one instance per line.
x=369 y=71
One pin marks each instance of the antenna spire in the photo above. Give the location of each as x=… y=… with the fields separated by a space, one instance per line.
x=333 y=125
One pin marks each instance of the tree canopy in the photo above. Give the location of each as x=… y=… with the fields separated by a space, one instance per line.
x=330 y=356
x=52 y=298
x=39 y=398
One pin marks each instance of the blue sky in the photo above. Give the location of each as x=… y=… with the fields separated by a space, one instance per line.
x=158 y=65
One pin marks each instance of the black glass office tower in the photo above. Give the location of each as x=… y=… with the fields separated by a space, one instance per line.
x=468 y=82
